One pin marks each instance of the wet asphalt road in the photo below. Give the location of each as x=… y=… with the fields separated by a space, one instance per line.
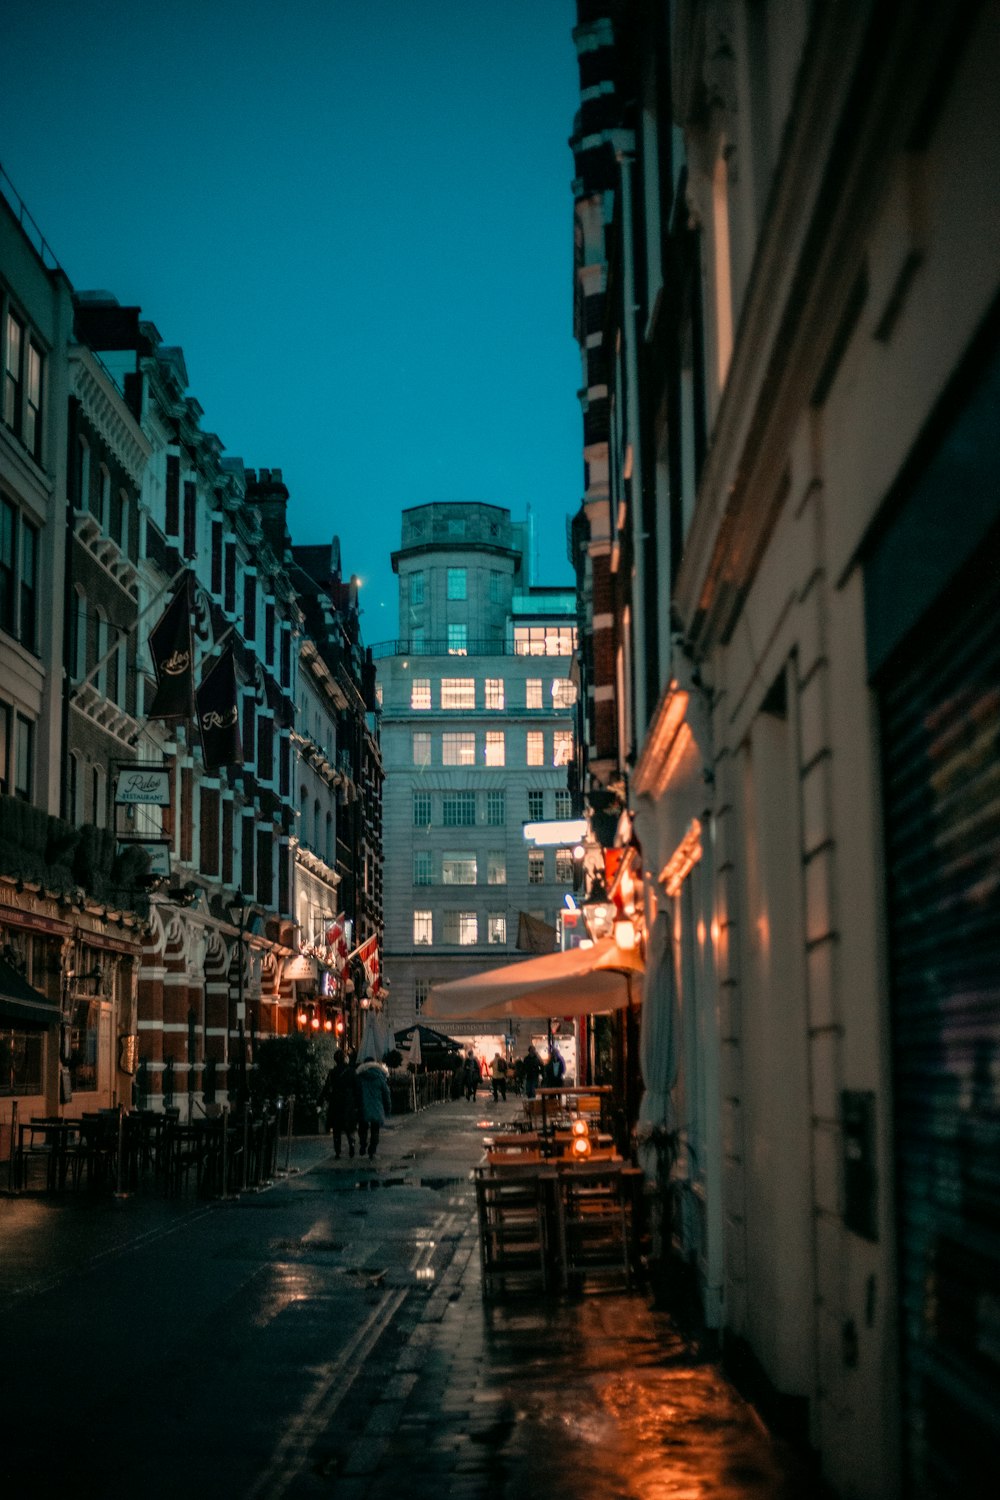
x=327 y=1336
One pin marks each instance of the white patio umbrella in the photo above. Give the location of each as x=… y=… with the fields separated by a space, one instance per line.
x=413 y=1052
x=659 y=1041
x=371 y=1047
x=577 y=982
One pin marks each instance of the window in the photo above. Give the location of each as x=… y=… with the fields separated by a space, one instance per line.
x=458 y=869
x=423 y=927
x=421 y=809
x=456 y=583
x=123 y=522
x=564 y=866
x=458 y=692
x=536 y=866
x=563 y=693
x=496 y=808
x=536 y=748
x=249 y=607
x=216 y=557
x=21 y=1062
x=458 y=809
x=458 y=640
x=496 y=927
x=24 y=757
x=421 y=748
x=562 y=747
x=536 y=806
x=420 y=692
x=103 y=510
x=544 y=640
x=18 y=576
x=423 y=868
x=172 y=513
x=533 y=693
x=22 y=393
x=496 y=586
x=496 y=868
x=421 y=989
x=564 y=805
x=101 y=674
x=416 y=588
x=494 y=692
x=457 y=749
x=78 y=627
x=461 y=927
x=495 y=747
x=116 y=671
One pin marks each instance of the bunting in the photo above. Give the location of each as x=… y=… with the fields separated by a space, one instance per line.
x=219 y=714
x=172 y=650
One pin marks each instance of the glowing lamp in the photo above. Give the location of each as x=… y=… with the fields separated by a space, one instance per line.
x=580 y=1147
x=328 y=1025
x=625 y=934
x=580 y=1127
x=315 y=1023
x=302 y=1018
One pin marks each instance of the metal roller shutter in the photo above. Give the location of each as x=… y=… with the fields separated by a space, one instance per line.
x=940 y=708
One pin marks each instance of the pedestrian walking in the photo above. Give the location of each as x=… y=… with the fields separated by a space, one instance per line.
x=374 y=1104
x=532 y=1072
x=498 y=1077
x=554 y=1070
x=340 y=1097
x=473 y=1075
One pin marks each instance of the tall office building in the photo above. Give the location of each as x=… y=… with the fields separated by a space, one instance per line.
x=478 y=714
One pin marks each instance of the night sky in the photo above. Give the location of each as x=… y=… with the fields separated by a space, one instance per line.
x=354 y=216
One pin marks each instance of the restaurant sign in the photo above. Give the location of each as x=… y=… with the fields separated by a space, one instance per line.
x=301 y=967
x=148 y=786
x=156 y=850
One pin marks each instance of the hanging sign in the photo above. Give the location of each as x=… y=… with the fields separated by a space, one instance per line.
x=148 y=786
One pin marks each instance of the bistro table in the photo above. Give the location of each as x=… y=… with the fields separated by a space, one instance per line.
x=49 y=1140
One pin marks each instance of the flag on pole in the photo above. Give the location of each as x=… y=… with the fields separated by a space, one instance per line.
x=172 y=650
x=219 y=714
x=367 y=956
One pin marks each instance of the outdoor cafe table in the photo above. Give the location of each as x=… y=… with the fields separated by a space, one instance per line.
x=600 y=1091
x=48 y=1138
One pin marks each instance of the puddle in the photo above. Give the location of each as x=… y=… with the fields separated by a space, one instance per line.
x=436 y=1184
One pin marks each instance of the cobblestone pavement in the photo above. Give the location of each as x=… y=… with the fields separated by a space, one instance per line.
x=430 y=1391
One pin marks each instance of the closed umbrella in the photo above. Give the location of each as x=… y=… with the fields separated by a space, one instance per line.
x=371 y=1048
x=659 y=1042
x=414 y=1054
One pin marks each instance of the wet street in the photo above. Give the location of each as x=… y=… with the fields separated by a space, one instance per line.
x=327 y=1336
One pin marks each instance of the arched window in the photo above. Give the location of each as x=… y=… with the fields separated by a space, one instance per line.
x=303 y=816
x=83 y=473
x=116 y=671
x=99 y=809
x=79 y=634
x=316 y=839
x=329 y=839
x=73 y=789
x=104 y=497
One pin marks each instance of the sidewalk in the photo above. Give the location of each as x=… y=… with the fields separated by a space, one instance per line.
x=593 y=1398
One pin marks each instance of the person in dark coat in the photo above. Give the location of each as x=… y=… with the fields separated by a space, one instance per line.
x=374 y=1103
x=341 y=1101
x=554 y=1070
x=498 y=1077
x=532 y=1072
x=473 y=1075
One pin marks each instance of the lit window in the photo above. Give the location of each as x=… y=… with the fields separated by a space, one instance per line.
x=423 y=927
x=495 y=747
x=494 y=692
x=496 y=808
x=496 y=927
x=458 y=640
x=461 y=927
x=456 y=583
x=564 y=866
x=536 y=806
x=423 y=869
x=496 y=868
x=536 y=748
x=420 y=692
x=421 y=809
x=458 y=809
x=458 y=692
x=458 y=869
x=562 y=747
x=536 y=866
x=544 y=640
x=458 y=749
x=421 y=749
x=563 y=693
x=533 y=693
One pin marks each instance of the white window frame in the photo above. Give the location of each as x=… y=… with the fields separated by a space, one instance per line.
x=494 y=693
x=423 y=929
x=420 y=693
x=496 y=747
x=421 y=747
x=458 y=692
x=458 y=748
x=534 y=750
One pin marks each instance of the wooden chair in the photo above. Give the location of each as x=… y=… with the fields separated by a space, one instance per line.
x=593 y=1223
x=513 y=1243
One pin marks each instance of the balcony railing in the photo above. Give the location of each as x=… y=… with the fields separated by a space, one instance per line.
x=404 y=647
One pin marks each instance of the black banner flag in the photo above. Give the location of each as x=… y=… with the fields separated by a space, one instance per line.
x=219 y=714
x=173 y=657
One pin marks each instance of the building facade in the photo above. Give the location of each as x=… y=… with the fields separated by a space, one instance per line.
x=478 y=713
x=790 y=214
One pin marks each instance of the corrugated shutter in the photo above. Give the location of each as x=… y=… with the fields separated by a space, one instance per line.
x=940 y=703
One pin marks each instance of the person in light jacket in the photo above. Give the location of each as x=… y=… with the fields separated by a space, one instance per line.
x=374 y=1103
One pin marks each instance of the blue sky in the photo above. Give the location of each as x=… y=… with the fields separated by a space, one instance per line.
x=354 y=216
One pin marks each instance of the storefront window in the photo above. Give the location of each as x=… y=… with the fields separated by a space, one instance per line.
x=83 y=1047
x=21 y=1062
